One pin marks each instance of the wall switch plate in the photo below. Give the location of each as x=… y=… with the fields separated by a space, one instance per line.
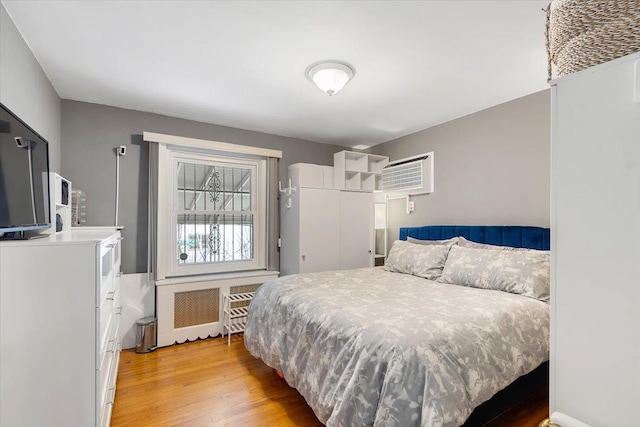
x=412 y=206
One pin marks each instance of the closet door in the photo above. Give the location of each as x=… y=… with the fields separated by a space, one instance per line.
x=319 y=230
x=356 y=229
x=595 y=225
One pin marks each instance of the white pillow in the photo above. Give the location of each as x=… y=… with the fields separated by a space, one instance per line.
x=519 y=272
x=424 y=261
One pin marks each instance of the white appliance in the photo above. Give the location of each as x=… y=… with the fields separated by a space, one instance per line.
x=409 y=176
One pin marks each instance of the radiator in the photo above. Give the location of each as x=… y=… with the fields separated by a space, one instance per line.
x=193 y=308
x=188 y=308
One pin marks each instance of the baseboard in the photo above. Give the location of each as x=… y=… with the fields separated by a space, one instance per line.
x=566 y=421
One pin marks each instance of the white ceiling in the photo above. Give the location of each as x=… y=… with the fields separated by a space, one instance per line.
x=242 y=64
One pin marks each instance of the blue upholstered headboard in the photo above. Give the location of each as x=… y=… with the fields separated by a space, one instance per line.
x=504 y=235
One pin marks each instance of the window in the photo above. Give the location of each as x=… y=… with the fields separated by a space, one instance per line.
x=213 y=208
x=218 y=213
x=214 y=215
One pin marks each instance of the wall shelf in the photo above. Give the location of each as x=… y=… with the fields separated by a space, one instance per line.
x=355 y=161
x=352 y=180
x=377 y=163
x=358 y=171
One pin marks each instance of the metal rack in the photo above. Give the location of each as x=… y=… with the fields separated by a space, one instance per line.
x=234 y=319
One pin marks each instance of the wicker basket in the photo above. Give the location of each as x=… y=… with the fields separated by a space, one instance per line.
x=584 y=33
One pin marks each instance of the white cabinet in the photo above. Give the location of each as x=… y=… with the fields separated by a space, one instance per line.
x=310 y=175
x=358 y=171
x=310 y=231
x=356 y=226
x=319 y=232
x=595 y=224
x=59 y=318
x=324 y=228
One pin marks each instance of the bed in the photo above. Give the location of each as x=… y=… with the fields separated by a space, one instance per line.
x=371 y=347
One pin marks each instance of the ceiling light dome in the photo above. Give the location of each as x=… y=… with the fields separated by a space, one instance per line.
x=330 y=76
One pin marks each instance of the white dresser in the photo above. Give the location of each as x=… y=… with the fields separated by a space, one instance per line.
x=59 y=317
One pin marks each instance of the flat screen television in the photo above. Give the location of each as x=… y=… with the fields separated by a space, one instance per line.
x=24 y=177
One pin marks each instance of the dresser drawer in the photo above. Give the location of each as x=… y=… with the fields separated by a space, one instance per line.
x=117 y=256
x=107 y=361
x=105 y=288
x=106 y=377
x=105 y=317
x=110 y=394
x=107 y=338
x=103 y=374
x=108 y=315
x=108 y=262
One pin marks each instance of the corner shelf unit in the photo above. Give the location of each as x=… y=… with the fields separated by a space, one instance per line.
x=358 y=171
x=234 y=319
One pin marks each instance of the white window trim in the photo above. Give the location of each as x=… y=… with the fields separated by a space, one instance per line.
x=167 y=265
x=209 y=145
x=259 y=215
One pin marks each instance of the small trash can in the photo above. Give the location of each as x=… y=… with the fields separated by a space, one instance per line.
x=146 y=334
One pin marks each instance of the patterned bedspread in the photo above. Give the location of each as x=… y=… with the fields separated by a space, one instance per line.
x=369 y=347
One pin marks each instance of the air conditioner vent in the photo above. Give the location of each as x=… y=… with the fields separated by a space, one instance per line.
x=413 y=175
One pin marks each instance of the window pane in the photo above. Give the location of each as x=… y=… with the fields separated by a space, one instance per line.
x=246 y=192
x=203 y=238
x=204 y=187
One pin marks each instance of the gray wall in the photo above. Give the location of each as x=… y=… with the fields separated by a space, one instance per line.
x=90 y=132
x=491 y=168
x=26 y=90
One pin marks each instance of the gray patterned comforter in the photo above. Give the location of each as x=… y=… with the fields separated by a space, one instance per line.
x=369 y=347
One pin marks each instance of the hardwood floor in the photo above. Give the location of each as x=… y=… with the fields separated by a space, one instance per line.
x=204 y=383
x=207 y=383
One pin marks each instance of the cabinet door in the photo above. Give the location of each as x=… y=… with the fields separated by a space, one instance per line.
x=595 y=225
x=356 y=229
x=290 y=233
x=319 y=230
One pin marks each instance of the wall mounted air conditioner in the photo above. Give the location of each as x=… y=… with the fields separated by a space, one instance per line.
x=409 y=176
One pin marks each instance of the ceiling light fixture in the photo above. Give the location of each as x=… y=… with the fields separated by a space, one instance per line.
x=330 y=76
